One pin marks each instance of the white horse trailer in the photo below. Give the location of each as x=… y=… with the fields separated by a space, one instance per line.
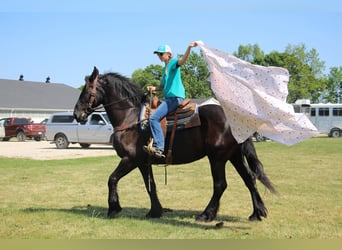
x=327 y=117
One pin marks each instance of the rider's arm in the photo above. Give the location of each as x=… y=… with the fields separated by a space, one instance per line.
x=183 y=59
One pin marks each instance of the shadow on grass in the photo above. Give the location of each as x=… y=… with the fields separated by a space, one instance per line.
x=170 y=217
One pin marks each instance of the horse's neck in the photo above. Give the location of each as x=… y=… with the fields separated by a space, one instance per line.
x=123 y=116
x=120 y=110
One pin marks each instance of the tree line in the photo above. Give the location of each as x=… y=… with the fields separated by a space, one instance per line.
x=307 y=77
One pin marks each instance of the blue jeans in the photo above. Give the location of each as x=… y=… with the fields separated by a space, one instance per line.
x=167 y=106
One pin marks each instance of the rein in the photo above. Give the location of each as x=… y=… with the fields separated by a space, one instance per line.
x=127 y=126
x=111 y=103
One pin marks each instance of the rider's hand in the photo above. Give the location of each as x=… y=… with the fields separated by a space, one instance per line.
x=151 y=88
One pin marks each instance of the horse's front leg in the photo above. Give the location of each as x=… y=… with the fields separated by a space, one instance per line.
x=156 y=208
x=125 y=166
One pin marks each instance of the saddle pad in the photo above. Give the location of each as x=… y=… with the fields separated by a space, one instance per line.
x=184 y=123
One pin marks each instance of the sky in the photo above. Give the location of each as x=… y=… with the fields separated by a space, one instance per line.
x=66 y=39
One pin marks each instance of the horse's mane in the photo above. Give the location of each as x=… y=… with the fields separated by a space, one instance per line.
x=125 y=87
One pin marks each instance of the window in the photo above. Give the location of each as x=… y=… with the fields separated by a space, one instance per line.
x=20 y=121
x=305 y=110
x=337 y=111
x=106 y=117
x=95 y=120
x=62 y=118
x=7 y=122
x=313 y=111
x=323 y=111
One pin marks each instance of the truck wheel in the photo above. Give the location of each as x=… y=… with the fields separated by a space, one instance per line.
x=21 y=136
x=61 y=141
x=259 y=137
x=335 y=132
x=85 y=145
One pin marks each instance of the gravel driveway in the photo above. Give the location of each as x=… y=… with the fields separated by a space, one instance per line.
x=44 y=150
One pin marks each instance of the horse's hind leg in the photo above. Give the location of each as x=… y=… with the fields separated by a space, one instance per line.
x=220 y=184
x=259 y=209
x=156 y=208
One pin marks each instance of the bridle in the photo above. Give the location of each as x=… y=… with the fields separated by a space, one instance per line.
x=92 y=94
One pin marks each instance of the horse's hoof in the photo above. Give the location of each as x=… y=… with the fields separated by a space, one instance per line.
x=154 y=215
x=254 y=217
x=258 y=214
x=113 y=213
x=204 y=218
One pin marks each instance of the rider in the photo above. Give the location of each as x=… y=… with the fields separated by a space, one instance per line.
x=174 y=93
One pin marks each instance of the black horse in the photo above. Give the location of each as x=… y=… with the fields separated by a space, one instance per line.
x=123 y=100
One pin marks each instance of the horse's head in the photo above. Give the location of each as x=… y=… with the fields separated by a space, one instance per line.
x=89 y=97
x=114 y=91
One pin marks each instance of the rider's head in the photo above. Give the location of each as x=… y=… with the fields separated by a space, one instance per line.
x=164 y=52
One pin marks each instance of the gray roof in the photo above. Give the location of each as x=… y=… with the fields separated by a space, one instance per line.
x=37 y=95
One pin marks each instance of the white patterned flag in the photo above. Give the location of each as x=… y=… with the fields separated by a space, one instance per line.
x=254 y=99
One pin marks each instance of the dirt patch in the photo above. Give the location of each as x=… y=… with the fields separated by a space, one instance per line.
x=44 y=150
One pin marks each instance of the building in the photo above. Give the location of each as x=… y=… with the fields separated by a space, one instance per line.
x=35 y=100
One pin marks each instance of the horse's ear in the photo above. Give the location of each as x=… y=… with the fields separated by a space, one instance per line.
x=94 y=74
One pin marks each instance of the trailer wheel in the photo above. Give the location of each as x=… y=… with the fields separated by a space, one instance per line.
x=335 y=132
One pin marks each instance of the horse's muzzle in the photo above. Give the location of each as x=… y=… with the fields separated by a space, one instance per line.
x=82 y=117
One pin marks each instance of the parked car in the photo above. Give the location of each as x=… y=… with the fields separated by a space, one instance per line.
x=63 y=129
x=2 y=128
x=21 y=128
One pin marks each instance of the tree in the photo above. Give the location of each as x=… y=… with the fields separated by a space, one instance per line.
x=250 y=53
x=302 y=84
x=310 y=58
x=309 y=80
x=151 y=75
x=333 y=89
x=195 y=75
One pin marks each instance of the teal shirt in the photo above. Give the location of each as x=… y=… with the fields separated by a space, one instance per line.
x=172 y=81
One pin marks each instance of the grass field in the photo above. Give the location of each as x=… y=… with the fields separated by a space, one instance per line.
x=67 y=199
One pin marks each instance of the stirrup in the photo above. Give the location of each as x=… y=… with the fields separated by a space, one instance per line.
x=153 y=151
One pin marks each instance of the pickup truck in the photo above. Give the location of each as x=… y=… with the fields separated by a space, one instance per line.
x=62 y=129
x=21 y=128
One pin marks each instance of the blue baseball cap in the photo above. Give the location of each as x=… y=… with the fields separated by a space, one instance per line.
x=163 y=48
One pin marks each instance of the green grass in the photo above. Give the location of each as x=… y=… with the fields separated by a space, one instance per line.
x=67 y=199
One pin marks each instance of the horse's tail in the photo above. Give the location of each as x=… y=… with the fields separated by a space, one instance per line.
x=248 y=150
